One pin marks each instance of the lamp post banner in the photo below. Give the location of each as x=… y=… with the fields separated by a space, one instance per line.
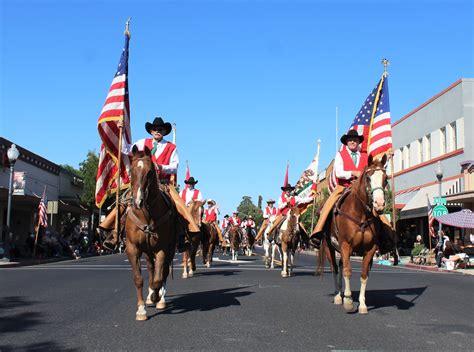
x=19 y=180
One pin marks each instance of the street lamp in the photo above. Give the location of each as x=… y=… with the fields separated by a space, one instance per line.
x=13 y=155
x=439 y=176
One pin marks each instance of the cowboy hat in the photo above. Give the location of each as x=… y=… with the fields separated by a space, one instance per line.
x=212 y=201
x=271 y=200
x=158 y=124
x=287 y=187
x=191 y=181
x=351 y=134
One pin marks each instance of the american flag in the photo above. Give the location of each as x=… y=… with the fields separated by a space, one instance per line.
x=116 y=108
x=377 y=131
x=430 y=218
x=42 y=211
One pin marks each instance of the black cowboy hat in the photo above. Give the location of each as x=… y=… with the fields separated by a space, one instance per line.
x=191 y=181
x=351 y=134
x=287 y=187
x=158 y=124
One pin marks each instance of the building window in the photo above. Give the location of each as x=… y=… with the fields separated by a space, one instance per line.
x=443 y=140
x=419 y=146
x=453 y=136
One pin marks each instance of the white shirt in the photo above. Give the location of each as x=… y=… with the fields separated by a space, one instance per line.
x=171 y=168
x=339 y=165
x=189 y=195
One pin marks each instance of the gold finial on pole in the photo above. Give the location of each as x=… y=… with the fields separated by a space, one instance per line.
x=385 y=63
x=127 y=24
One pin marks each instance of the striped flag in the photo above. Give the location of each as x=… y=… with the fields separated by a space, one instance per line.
x=116 y=108
x=42 y=211
x=373 y=122
x=430 y=218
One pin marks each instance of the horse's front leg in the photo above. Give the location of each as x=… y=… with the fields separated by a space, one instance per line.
x=364 y=277
x=150 y=262
x=134 y=255
x=266 y=247
x=347 y=273
x=185 y=264
x=161 y=272
x=284 y=270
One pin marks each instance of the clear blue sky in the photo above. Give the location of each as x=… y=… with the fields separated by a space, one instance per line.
x=250 y=84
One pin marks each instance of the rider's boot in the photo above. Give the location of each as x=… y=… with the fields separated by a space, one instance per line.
x=111 y=242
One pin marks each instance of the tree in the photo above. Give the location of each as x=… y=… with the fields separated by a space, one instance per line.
x=88 y=171
x=71 y=169
x=246 y=208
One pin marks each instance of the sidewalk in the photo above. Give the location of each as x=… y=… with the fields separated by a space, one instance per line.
x=30 y=261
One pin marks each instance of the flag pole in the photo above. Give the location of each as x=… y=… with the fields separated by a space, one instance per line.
x=119 y=157
x=38 y=227
x=315 y=180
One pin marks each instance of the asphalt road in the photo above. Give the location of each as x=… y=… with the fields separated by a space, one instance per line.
x=90 y=304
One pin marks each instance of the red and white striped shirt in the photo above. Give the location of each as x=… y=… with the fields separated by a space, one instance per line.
x=188 y=195
x=211 y=214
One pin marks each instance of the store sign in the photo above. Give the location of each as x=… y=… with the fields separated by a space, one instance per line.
x=52 y=207
x=440 y=200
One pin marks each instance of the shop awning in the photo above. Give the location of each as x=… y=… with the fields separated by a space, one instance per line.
x=463 y=219
x=418 y=204
x=402 y=198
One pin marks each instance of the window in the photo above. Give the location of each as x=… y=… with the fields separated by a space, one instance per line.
x=419 y=146
x=454 y=136
x=443 y=140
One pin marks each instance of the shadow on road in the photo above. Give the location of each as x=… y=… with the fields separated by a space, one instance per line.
x=391 y=298
x=14 y=322
x=204 y=301
x=217 y=273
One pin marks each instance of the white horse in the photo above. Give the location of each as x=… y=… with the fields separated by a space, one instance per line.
x=269 y=244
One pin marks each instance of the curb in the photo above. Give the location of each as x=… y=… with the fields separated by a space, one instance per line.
x=32 y=262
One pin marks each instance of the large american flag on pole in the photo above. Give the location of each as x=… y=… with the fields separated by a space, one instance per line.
x=116 y=108
x=373 y=122
x=42 y=211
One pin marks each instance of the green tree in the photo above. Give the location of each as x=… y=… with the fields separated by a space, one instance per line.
x=307 y=218
x=246 y=208
x=71 y=169
x=88 y=171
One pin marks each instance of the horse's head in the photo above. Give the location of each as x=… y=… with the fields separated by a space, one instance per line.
x=143 y=174
x=375 y=182
x=196 y=209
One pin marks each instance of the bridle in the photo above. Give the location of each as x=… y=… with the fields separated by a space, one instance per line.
x=368 y=188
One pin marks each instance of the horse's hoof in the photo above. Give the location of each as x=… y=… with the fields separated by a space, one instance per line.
x=208 y=265
x=348 y=305
x=149 y=302
x=141 y=317
x=267 y=266
x=338 y=300
x=363 y=310
x=184 y=276
x=161 y=305
x=191 y=274
x=284 y=274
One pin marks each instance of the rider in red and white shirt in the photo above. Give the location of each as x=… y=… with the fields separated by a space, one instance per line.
x=211 y=217
x=249 y=222
x=235 y=220
x=189 y=193
x=269 y=215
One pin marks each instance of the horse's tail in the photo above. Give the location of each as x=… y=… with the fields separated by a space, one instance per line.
x=321 y=258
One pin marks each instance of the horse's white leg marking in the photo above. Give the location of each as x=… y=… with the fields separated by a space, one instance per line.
x=348 y=303
x=362 y=305
x=150 y=293
x=141 y=313
x=284 y=271
x=162 y=302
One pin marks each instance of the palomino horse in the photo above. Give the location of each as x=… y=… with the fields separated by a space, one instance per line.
x=234 y=235
x=248 y=241
x=355 y=227
x=209 y=243
x=150 y=230
x=290 y=238
x=189 y=255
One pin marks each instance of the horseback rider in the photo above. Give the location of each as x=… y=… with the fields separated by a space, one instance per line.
x=269 y=215
x=287 y=201
x=235 y=220
x=249 y=223
x=166 y=160
x=349 y=163
x=189 y=193
x=211 y=217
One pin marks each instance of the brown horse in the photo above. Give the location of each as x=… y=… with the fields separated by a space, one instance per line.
x=289 y=240
x=355 y=227
x=150 y=231
x=234 y=235
x=209 y=243
x=189 y=255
